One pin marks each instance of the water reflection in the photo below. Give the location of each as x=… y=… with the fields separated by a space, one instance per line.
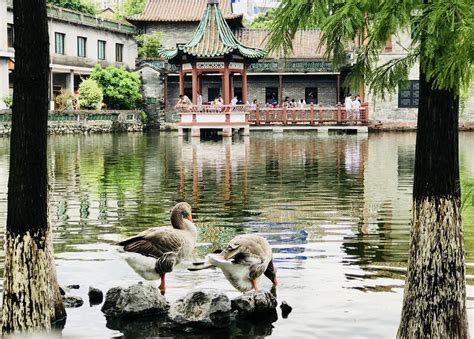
x=335 y=209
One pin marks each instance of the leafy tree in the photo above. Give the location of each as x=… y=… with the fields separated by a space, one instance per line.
x=121 y=88
x=132 y=7
x=148 y=44
x=31 y=295
x=76 y=5
x=8 y=99
x=90 y=94
x=263 y=20
x=442 y=42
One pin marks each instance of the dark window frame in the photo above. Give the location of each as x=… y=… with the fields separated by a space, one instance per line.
x=118 y=52
x=79 y=39
x=307 y=92
x=99 y=54
x=59 y=43
x=408 y=97
x=268 y=94
x=10 y=35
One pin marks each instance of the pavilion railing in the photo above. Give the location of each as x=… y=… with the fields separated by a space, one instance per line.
x=311 y=114
x=308 y=115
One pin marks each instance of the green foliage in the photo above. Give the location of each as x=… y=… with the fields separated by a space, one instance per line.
x=8 y=100
x=64 y=100
x=121 y=88
x=90 y=94
x=263 y=20
x=76 y=5
x=148 y=44
x=442 y=37
x=132 y=7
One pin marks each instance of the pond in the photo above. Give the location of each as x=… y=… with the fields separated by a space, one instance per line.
x=336 y=210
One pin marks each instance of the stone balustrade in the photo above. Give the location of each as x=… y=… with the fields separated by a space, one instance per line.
x=83 y=122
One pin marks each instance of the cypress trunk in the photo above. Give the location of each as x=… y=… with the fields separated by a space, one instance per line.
x=31 y=298
x=434 y=298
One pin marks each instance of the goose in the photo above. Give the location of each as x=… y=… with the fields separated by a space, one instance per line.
x=154 y=252
x=243 y=262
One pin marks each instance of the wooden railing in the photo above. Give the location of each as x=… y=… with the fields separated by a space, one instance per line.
x=213 y=108
x=312 y=115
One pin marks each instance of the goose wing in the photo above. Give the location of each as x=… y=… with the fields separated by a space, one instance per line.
x=249 y=250
x=154 y=243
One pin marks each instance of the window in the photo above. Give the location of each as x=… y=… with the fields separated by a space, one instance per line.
x=118 y=52
x=271 y=94
x=81 y=46
x=213 y=93
x=10 y=34
x=311 y=95
x=59 y=43
x=408 y=97
x=101 y=50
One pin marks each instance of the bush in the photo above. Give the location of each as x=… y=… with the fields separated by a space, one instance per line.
x=90 y=94
x=121 y=88
x=148 y=45
x=8 y=100
x=64 y=100
x=76 y=5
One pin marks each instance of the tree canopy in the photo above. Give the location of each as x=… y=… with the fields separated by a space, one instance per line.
x=442 y=37
x=263 y=20
x=120 y=87
x=132 y=7
x=148 y=44
x=76 y=5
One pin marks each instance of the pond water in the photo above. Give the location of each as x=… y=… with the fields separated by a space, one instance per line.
x=335 y=209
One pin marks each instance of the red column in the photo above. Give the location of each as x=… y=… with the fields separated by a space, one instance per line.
x=280 y=88
x=194 y=83
x=338 y=89
x=226 y=84
x=181 y=81
x=244 y=84
x=165 y=91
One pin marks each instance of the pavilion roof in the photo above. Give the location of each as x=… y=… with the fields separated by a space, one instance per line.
x=213 y=38
x=180 y=11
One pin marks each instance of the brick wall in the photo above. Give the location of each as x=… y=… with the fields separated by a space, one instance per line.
x=172 y=33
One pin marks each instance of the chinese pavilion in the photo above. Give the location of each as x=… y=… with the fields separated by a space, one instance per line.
x=213 y=49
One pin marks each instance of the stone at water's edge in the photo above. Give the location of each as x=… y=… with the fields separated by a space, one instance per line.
x=72 y=301
x=201 y=308
x=285 y=309
x=259 y=303
x=95 y=296
x=136 y=300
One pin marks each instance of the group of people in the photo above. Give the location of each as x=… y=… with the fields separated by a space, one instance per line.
x=352 y=107
x=185 y=104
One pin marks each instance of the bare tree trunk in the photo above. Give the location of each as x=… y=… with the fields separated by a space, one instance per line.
x=434 y=300
x=30 y=296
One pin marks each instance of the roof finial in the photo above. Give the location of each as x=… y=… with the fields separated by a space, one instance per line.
x=213 y=2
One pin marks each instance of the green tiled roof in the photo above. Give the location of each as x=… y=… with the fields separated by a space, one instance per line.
x=213 y=38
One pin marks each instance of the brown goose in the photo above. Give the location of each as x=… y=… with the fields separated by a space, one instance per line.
x=155 y=251
x=244 y=260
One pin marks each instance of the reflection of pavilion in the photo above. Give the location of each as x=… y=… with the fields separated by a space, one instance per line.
x=213 y=49
x=226 y=158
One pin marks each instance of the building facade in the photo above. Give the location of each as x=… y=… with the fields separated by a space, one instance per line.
x=78 y=42
x=251 y=8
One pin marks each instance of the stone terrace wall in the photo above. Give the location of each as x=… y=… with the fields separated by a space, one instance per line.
x=83 y=122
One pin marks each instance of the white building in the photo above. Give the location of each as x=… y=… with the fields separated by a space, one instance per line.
x=251 y=8
x=78 y=42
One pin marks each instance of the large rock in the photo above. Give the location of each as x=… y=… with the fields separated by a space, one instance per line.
x=72 y=301
x=259 y=303
x=95 y=296
x=201 y=308
x=136 y=300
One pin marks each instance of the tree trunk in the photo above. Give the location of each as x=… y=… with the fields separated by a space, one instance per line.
x=31 y=293
x=434 y=299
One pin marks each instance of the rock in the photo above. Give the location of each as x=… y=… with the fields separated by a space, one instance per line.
x=285 y=309
x=259 y=304
x=95 y=296
x=136 y=300
x=72 y=301
x=201 y=308
x=73 y=287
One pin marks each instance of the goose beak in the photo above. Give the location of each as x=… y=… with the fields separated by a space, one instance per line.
x=275 y=281
x=190 y=218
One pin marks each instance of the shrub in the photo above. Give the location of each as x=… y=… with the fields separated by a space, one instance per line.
x=76 y=5
x=64 y=100
x=121 y=88
x=148 y=45
x=8 y=100
x=90 y=94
